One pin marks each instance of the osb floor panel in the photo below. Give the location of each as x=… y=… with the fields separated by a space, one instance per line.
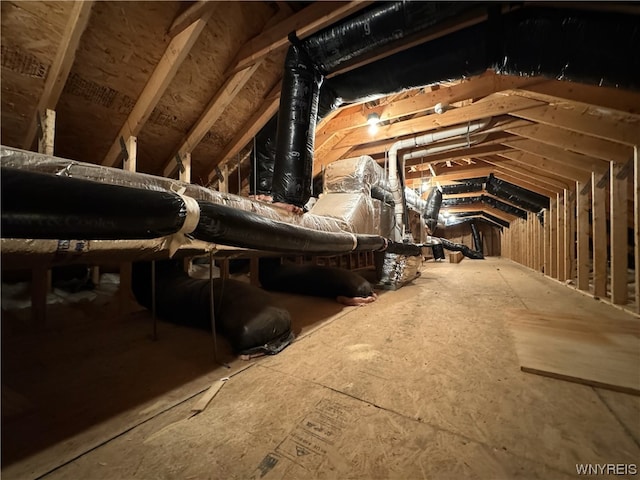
x=424 y=383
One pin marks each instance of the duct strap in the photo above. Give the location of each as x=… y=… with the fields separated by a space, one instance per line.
x=191 y=220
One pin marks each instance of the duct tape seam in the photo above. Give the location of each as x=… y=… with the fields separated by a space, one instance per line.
x=191 y=221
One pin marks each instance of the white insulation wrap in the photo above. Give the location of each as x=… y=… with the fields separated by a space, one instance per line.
x=351 y=175
x=355 y=209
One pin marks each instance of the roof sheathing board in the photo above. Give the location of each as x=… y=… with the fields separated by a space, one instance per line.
x=30 y=35
x=201 y=75
x=117 y=54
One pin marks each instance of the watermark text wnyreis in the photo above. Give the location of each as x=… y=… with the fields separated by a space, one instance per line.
x=606 y=468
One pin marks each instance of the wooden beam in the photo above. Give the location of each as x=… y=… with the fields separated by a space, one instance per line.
x=163 y=74
x=459 y=175
x=306 y=22
x=488 y=107
x=618 y=224
x=554 y=91
x=60 y=67
x=190 y=15
x=475 y=152
x=636 y=222
x=570 y=173
x=599 y=126
x=251 y=127
x=473 y=88
x=125 y=294
x=576 y=142
x=576 y=160
x=546 y=179
x=481 y=207
x=583 y=203
x=599 y=237
x=220 y=101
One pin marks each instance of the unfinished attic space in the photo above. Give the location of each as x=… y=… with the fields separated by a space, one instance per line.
x=296 y=240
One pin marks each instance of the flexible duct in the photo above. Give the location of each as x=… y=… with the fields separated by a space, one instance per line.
x=465 y=186
x=490 y=217
x=75 y=208
x=264 y=156
x=455 y=247
x=396 y=175
x=477 y=242
x=534 y=202
x=296 y=126
x=432 y=209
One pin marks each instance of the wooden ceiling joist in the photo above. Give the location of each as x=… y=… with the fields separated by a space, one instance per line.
x=524 y=182
x=598 y=126
x=475 y=87
x=61 y=66
x=553 y=91
x=534 y=174
x=529 y=159
x=480 y=207
x=489 y=107
x=563 y=156
x=163 y=74
x=306 y=22
x=475 y=151
x=474 y=172
x=576 y=142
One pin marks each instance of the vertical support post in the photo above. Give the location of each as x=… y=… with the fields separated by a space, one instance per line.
x=129 y=164
x=546 y=266
x=584 y=257
x=553 y=238
x=561 y=199
x=47 y=134
x=619 y=244
x=636 y=221
x=41 y=277
x=154 y=317
x=599 y=236
x=223 y=183
x=569 y=234
x=185 y=173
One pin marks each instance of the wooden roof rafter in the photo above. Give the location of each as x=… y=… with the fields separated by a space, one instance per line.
x=166 y=69
x=61 y=66
x=195 y=12
x=307 y=21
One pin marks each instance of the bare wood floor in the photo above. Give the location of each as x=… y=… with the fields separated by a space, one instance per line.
x=424 y=383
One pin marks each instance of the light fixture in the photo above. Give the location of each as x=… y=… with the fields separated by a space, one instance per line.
x=373 y=119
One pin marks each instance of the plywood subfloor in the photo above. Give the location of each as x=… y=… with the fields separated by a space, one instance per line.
x=424 y=383
x=603 y=352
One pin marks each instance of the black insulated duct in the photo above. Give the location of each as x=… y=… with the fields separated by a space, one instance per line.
x=67 y=207
x=432 y=208
x=488 y=216
x=497 y=204
x=534 y=202
x=477 y=242
x=296 y=126
x=465 y=186
x=263 y=159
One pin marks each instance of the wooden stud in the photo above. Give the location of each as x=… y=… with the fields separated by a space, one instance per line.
x=61 y=66
x=546 y=265
x=599 y=238
x=223 y=183
x=553 y=237
x=561 y=253
x=48 y=129
x=584 y=257
x=185 y=173
x=190 y=15
x=569 y=234
x=131 y=161
x=619 y=245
